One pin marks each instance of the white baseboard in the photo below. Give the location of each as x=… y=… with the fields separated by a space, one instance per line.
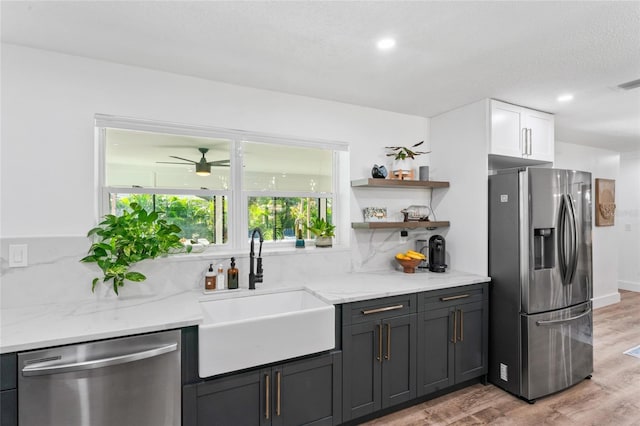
x=629 y=285
x=607 y=299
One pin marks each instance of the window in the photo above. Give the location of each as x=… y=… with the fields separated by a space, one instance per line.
x=286 y=185
x=217 y=185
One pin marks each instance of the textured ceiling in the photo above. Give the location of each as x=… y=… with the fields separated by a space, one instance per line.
x=448 y=54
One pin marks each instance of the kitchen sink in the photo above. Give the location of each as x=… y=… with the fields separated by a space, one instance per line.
x=256 y=329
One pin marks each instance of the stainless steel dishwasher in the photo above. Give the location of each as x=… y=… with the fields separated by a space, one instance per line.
x=128 y=381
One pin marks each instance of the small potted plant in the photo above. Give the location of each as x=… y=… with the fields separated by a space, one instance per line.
x=121 y=241
x=402 y=166
x=323 y=230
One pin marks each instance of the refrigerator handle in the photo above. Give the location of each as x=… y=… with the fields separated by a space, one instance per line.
x=568 y=261
x=573 y=257
x=562 y=256
x=553 y=322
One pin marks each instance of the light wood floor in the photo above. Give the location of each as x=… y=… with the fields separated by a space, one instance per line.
x=611 y=397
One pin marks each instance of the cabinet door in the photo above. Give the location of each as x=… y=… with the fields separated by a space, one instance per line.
x=234 y=400
x=361 y=365
x=9 y=407
x=435 y=363
x=471 y=343
x=506 y=130
x=398 y=360
x=308 y=392
x=540 y=126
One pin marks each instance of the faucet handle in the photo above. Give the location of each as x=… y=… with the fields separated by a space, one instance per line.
x=259 y=270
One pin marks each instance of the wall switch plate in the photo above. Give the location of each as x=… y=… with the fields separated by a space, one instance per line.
x=18 y=255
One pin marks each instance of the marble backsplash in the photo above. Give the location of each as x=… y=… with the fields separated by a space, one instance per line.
x=54 y=273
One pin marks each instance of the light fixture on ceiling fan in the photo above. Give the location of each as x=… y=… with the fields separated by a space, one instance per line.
x=203 y=167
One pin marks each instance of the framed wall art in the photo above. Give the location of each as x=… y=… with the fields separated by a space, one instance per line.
x=605 y=202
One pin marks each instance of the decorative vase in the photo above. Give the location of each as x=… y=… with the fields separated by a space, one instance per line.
x=324 y=241
x=378 y=172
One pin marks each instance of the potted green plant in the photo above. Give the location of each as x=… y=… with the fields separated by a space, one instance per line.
x=122 y=241
x=403 y=155
x=323 y=230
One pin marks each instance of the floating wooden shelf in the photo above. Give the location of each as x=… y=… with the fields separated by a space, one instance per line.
x=399 y=225
x=397 y=183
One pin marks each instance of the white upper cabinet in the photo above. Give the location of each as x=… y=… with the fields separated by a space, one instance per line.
x=521 y=132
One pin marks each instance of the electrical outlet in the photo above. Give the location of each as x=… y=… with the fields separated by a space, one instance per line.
x=404 y=236
x=503 y=372
x=18 y=255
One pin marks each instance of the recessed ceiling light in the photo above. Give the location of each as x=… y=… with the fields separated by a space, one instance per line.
x=565 y=98
x=386 y=43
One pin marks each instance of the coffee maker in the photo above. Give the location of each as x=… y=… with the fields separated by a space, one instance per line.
x=436 y=254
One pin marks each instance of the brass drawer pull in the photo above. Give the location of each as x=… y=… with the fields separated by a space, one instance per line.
x=385 y=309
x=278 y=393
x=267 y=402
x=460 y=296
x=388 y=355
x=461 y=325
x=455 y=327
x=379 y=357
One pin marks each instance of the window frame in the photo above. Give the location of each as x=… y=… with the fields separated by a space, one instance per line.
x=237 y=197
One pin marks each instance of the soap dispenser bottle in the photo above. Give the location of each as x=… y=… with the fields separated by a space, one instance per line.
x=220 y=278
x=210 y=279
x=232 y=275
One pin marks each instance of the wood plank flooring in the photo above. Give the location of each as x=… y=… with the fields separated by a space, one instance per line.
x=611 y=397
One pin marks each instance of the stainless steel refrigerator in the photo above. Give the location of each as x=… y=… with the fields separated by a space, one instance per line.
x=541 y=329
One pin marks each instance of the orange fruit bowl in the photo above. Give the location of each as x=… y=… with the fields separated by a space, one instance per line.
x=408 y=265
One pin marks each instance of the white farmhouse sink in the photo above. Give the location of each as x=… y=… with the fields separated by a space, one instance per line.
x=257 y=329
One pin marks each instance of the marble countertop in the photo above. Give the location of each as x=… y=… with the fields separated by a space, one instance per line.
x=45 y=325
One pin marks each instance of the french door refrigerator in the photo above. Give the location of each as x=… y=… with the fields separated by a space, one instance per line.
x=541 y=329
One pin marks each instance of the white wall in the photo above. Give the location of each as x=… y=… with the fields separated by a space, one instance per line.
x=48 y=106
x=459 y=143
x=628 y=221
x=602 y=164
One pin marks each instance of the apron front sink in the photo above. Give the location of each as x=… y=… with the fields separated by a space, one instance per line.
x=257 y=329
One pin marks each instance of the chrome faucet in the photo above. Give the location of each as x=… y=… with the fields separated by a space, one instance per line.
x=257 y=276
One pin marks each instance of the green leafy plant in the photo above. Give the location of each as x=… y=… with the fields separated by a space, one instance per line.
x=402 y=152
x=121 y=241
x=321 y=228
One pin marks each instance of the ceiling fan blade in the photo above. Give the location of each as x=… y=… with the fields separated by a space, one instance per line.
x=184 y=159
x=219 y=163
x=173 y=162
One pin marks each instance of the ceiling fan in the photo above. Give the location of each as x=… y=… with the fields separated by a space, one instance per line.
x=203 y=167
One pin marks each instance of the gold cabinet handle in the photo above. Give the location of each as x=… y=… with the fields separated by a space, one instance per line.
x=455 y=327
x=278 y=375
x=460 y=296
x=461 y=325
x=266 y=398
x=385 y=309
x=379 y=357
x=388 y=355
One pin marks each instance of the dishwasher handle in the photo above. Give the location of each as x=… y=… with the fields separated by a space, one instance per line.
x=38 y=369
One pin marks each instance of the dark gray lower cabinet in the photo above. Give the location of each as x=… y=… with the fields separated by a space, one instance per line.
x=8 y=391
x=379 y=365
x=452 y=337
x=305 y=392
